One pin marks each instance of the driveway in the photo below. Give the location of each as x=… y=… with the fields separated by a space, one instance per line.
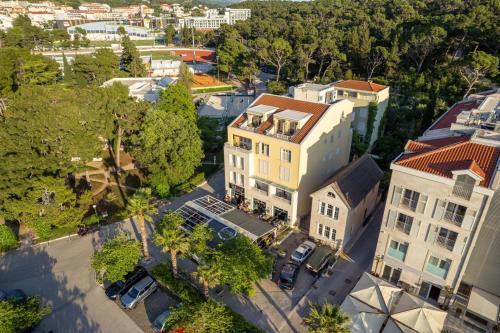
x=274 y=310
x=60 y=272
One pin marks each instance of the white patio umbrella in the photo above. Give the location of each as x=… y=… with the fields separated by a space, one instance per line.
x=375 y=292
x=367 y=322
x=393 y=327
x=352 y=306
x=412 y=312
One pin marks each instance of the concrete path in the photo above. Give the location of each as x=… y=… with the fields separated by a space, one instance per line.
x=60 y=272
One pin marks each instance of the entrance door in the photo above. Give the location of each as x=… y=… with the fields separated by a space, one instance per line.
x=434 y=293
x=280 y=214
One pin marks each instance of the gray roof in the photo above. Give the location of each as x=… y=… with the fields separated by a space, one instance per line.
x=483 y=269
x=355 y=180
x=313 y=86
x=247 y=222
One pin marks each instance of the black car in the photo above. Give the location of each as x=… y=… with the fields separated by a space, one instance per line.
x=14 y=296
x=288 y=275
x=119 y=288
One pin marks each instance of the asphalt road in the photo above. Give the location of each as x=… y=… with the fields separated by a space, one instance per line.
x=60 y=272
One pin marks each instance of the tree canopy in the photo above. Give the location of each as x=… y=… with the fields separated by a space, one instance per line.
x=118 y=256
x=21 y=316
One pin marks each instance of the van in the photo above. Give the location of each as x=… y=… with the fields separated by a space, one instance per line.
x=319 y=259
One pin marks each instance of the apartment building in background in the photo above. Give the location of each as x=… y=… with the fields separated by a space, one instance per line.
x=281 y=149
x=361 y=93
x=344 y=202
x=440 y=231
x=213 y=20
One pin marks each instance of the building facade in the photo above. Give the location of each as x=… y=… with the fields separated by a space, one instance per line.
x=213 y=20
x=440 y=231
x=341 y=206
x=361 y=93
x=281 y=149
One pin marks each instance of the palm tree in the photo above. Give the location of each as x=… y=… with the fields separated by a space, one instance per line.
x=171 y=238
x=327 y=318
x=140 y=207
x=208 y=273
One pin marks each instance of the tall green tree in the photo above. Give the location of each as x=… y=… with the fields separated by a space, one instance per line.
x=177 y=100
x=169 y=34
x=117 y=257
x=480 y=64
x=22 y=316
x=140 y=207
x=172 y=238
x=327 y=318
x=130 y=60
x=275 y=53
x=97 y=68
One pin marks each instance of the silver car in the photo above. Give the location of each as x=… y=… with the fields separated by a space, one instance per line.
x=138 y=292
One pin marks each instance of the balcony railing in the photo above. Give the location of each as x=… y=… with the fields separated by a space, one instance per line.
x=261 y=190
x=396 y=254
x=241 y=148
x=454 y=218
x=441 y=272
x=403 y=227
x=283 y=198
x=248 y=128
x=410 y=204
x=463 y=190
x=447 y=243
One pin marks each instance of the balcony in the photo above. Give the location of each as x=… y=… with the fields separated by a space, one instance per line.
x=403 y=227
x=248 y=128
x=441 y=272
x=463 y=190
x=261 y=188
x=242 y=148
x=445 y=242
x=409 y=204
x=454 y=218
x=396 y=254
x=285 y=197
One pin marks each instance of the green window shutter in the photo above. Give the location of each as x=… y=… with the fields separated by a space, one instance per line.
x=439 y=209
x=391 y=219
x=396 y=195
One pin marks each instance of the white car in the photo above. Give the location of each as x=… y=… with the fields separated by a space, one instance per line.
x=303 y=252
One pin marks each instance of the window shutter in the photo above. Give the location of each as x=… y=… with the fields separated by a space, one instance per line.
x=391 y=219
x=257 y=148
x=415 y=227
x=432 y=234
x=439 y=209
x=396 y=195
x=459 y=245
x=468 y=219
x=421 y=204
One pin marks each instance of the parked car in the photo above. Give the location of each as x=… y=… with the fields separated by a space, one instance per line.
x=119 y=288
x=303 y=252
x=15 y=296
x=319 y=259
x=139 y=292
x=288 y=275
x=160 y=321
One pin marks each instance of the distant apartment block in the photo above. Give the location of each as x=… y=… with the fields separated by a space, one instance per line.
x=441 y=222
x=361 y=93
x=344 y=202
x=213 y=20
x=281 y=149
x=109 y=31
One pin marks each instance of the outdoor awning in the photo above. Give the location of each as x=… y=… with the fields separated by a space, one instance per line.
x=365 y=322
x=393 y=327
x=418 y=315
x=484 y=304
x=375 y=292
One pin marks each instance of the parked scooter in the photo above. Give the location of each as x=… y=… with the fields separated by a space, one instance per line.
x=83 y=230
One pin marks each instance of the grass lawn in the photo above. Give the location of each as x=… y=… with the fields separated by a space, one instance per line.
x=163 y=55
x=213 y=89
x=144 y=42
x=101 y=43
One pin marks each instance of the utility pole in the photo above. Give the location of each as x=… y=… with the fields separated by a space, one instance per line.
x=194 y=50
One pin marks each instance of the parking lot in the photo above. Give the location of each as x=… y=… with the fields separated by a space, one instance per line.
x=146 y=312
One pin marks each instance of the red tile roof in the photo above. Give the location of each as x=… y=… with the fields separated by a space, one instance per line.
x=360 y=85
x=284 y=103
x=450 y=116
x=422 y=146
x=478 y=158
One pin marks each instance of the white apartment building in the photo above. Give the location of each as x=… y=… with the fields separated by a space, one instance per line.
x=281 y=149
x=361 y=93
x=213 y=20
x=440 y=229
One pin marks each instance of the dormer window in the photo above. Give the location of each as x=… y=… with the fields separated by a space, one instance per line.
x=287 y=127
x=256 y=121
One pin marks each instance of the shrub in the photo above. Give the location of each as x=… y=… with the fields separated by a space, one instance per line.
x=180 y=287
x=7 y=238
x=276 y=87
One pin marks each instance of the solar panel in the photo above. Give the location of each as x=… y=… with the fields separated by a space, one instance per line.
x=213 y=205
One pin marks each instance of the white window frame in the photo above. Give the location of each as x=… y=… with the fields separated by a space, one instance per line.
x=284 y=173
x=264 y=149
x=286 y=155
